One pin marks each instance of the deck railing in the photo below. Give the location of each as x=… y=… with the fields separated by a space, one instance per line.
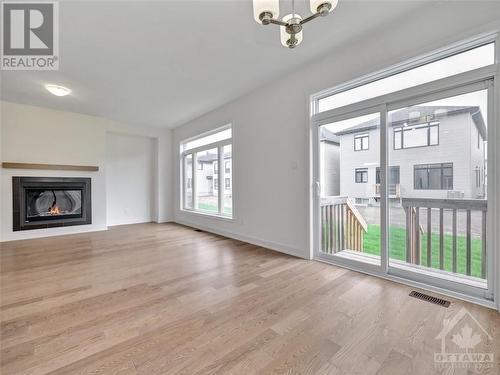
x=342 y=226
x=416 y=207
x=394 y=190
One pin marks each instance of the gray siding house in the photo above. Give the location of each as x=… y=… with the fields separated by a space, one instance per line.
x=330 y=157
x=207 y=172
x=434 y=152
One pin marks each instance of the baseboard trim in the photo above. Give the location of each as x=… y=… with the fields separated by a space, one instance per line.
x=281 y=248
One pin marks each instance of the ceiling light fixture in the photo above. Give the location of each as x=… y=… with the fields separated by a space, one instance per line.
x=58 y=90
x=267 y=11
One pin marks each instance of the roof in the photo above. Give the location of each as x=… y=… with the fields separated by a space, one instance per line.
x=328 y=136
x=427 y=113
x=209 y=158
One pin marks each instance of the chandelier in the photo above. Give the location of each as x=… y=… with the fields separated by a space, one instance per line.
x=267 y=11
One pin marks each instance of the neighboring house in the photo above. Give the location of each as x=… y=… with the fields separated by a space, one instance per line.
x=330 y=159
x=207 y=172
x=435 y=152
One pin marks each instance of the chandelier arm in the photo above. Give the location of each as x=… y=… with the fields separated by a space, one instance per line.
x=310 y=18
x=278 y=22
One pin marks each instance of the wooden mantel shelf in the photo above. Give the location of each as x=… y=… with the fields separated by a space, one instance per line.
x=53 y=167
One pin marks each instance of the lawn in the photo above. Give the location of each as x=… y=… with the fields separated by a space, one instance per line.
x=397 y=246
x=212 y=207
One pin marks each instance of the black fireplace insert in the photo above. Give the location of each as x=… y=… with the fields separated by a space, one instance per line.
x=46 y=202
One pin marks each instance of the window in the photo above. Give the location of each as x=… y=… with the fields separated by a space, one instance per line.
x=374 y=86
x=228 y=183
x=361 y=175
x=201 y=189
x=433 y=176
x=416 y=136
x=361 y=142
x=228 y=166
x=213 y=137
x=393 y=175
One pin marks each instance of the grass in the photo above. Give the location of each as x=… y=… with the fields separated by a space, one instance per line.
x=397 y=249
x=211 y=207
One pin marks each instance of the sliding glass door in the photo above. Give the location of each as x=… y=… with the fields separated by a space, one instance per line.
x=403 y=186
x=438 y=215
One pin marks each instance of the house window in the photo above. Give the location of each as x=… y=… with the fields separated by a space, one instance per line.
x=478 y=176
x=228 y=166
x=437 y=176
x=361 y=175
x=393 y=175
x=361 y=142
x=201 y=189
x=228 y=183
x=416 y=136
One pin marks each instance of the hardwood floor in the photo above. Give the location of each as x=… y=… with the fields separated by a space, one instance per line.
x=165 y=299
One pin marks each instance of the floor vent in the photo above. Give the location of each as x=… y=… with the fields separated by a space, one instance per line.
x=198 y=230
x=431 y=299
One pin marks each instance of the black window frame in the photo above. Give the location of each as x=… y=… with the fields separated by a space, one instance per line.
x=403 y=129
x=360 y=172
x=428 y=168
x=362 y=137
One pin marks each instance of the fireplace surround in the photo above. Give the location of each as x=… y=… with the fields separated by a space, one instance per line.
x=48 y=202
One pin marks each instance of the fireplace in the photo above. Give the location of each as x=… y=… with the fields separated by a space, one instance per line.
x=46 y=202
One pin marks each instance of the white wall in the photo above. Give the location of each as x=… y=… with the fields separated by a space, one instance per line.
x=271 y=150
x=39 y=135
x=130 y=177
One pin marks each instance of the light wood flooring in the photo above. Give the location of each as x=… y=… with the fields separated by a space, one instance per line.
x=165 y=299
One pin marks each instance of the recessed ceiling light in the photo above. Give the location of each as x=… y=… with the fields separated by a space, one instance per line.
x=58 y=90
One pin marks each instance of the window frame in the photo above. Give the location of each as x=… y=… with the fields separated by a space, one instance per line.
x=218 y=173
x=362 y=137
x=429 y=167
x=413 y=63
x=361 y=172
x=402 y=129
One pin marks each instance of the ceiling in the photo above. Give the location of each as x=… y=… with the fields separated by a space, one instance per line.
x=163 y=63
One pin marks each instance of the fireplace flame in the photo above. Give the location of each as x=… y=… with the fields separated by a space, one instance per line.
x=54 y=210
